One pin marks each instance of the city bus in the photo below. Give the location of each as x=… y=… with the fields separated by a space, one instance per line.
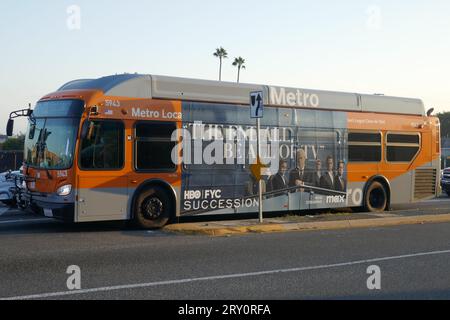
x=151 y=149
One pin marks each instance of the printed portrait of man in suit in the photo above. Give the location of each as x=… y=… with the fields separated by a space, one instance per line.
x=339 y=182
x=327 y=179
x=317 y=174
x=300 y=176
x=279 y=181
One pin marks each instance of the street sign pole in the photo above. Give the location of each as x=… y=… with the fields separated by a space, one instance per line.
x=260 y=188
x=257 y=112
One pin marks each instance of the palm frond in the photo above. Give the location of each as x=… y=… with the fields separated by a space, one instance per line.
x=239 y=62
x=221 y=53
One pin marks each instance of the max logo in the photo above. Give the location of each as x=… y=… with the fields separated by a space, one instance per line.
x=336 y=199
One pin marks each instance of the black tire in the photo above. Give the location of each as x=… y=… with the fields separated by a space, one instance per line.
x=153 y=208
x=448 y=193
x=376 y=198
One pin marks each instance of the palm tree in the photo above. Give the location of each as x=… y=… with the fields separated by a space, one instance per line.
x=221 y=53
x=239 y=62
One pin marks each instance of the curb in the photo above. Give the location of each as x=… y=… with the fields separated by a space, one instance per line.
x=219 y=230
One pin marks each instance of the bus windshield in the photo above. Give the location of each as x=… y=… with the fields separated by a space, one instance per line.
x=50 y=141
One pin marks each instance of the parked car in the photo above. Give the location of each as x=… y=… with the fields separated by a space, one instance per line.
x=12 y=188
x=445 y=181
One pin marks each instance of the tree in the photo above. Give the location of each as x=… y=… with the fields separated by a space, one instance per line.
x=14 y=144
x=221 y=53
x=444 y=117
x=239 y=63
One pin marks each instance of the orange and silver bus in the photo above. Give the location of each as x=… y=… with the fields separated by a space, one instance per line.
x=154 y=148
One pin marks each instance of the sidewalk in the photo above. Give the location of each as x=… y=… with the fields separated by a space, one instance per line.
x=310 y=223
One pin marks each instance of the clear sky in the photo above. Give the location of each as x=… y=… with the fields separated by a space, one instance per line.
x=399 y=48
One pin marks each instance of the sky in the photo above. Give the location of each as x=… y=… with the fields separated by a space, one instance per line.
x=399 y=48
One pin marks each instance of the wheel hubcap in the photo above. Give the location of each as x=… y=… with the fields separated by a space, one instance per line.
x=152 y=208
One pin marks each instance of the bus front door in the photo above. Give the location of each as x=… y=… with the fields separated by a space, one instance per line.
x=102 y=193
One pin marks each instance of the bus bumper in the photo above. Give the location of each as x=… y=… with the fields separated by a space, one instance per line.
x=64 y=211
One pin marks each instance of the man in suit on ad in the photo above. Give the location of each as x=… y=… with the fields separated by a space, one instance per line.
x=279 y=180
x=327 y=180
x=300 y=176
x=339 y=182
x=317 y=174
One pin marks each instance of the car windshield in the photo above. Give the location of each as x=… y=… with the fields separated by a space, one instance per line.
x=50 y=142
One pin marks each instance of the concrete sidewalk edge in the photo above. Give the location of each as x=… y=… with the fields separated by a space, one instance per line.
x=210 y=229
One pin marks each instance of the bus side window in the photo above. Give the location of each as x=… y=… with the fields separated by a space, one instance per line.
x=402 y=147
x=153 y=147
x=364 y=146
x=104 y=148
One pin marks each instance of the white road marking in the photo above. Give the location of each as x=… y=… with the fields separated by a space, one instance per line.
x=220 y=277
x=23 y=220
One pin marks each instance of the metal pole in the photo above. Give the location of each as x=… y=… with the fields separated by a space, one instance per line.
x=260 y=189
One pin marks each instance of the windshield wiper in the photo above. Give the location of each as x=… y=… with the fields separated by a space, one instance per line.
x=44 y=146
x=49 y=176
x=40 y=149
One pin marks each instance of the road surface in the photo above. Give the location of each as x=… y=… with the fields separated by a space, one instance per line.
x=117 y=262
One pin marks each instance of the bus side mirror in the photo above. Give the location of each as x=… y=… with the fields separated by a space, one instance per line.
x=32 y=132
x=10 y=128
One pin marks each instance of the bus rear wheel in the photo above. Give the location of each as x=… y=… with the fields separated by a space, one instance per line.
x=153 y=209
x=376 y=199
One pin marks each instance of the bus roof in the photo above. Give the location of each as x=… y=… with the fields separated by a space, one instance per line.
x=164 y=87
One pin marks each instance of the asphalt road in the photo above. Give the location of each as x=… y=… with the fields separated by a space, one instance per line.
x=120 y=263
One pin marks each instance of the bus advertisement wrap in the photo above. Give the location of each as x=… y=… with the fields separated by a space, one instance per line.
x=303 y=151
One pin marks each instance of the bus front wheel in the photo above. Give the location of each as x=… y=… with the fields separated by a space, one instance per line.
x=153 y=209
x=376 y=199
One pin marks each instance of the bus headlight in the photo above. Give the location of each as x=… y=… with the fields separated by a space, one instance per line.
x=64 y=190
